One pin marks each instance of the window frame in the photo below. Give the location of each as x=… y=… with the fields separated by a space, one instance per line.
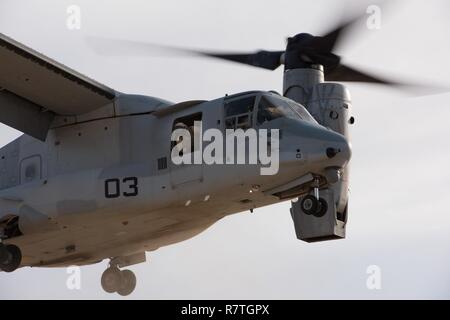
x=252 y=114
x=299 y=116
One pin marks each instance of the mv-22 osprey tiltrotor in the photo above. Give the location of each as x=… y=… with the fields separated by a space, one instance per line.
x=92 y=178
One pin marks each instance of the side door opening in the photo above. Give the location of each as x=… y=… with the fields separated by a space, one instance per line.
x=184 y=173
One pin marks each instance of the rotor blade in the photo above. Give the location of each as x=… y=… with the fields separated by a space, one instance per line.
x=346 y=73
x=270 y=60
x=122 y=47
x=329 y=42
x=331 y=39
x=263 y=59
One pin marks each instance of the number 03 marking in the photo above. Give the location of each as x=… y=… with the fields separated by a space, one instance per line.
x=113 y=186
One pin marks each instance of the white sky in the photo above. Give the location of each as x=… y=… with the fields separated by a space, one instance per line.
x=399 y=216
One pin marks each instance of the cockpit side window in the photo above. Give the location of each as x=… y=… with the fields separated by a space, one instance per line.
x=239 y=113
x=305 y=115
x=267 y=111
x=271 y=108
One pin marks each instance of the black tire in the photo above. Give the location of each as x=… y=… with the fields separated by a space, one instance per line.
x=309 y=205
x=322 y=208
x=111 y=280
x=128 y=283
x=4 y=254
x=12 y=259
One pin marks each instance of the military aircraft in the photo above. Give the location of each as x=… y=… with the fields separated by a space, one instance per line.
x=93 y=176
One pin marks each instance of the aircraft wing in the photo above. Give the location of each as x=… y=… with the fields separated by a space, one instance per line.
x=34 y=88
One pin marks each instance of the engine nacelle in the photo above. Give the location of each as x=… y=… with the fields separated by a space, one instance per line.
x=330 y=104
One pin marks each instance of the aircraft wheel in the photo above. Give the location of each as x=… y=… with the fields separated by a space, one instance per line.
x=309 y=205
x=322 y=208
x=10 y=257
x=128 y=283
x=3 y=253
x=111 y=280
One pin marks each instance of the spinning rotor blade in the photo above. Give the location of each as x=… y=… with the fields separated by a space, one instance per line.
x=330 y=41
x=344 y=73
x=302 y=51
x=270 y=60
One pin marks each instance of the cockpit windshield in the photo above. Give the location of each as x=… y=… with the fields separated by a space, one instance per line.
x=273 y=107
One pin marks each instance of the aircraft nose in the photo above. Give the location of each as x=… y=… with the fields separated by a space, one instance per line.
x=337 y=150
x=324 y=147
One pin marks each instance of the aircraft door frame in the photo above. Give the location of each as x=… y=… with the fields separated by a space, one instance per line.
x=185 y=173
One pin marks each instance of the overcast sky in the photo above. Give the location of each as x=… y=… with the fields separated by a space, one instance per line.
x=399 y=218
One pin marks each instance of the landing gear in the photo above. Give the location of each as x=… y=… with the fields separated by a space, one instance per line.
x=309 y=204
x=111 y=279
x=128 y=283
x=114 y=280
x=10 y=257
x=322 y=208
x=312 y=206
